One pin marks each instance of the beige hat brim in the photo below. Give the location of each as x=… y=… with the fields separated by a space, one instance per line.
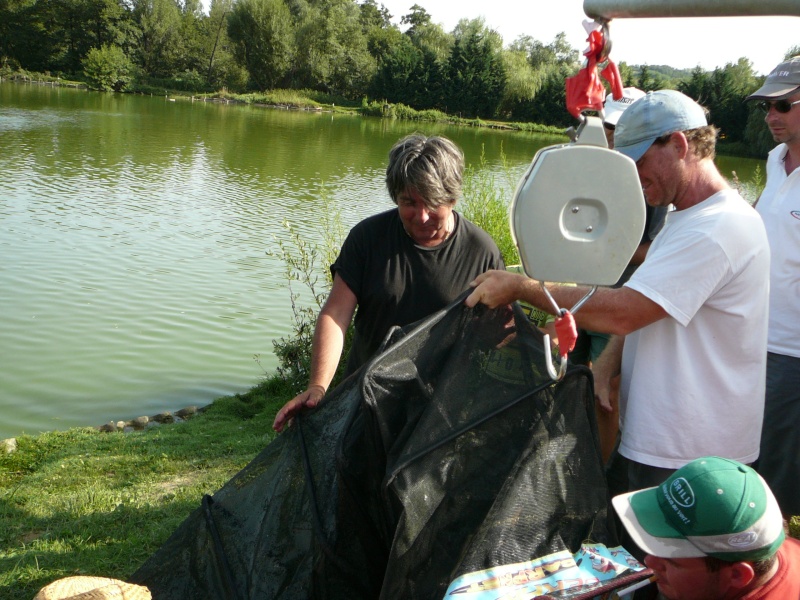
x=774 y=91
x=92 y=588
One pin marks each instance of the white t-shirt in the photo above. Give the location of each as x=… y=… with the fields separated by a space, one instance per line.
x=693 y=382
x=779 y=207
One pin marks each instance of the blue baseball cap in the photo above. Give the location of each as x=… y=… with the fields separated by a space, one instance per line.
x=656 y=114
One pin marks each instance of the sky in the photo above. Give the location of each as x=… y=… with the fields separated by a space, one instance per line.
x=685 y=43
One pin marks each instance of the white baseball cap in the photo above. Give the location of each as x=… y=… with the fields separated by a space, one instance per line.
x=612 y=109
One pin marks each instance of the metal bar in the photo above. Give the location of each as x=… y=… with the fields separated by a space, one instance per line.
x=605 y=10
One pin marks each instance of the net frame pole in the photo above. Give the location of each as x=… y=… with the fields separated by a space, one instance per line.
x=605 y=10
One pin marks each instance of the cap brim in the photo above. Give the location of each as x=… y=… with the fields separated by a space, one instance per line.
x=659 y=538
x=635 y=151
x=612 y=115
x=776 y=91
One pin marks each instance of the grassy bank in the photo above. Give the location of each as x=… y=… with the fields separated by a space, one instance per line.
x=82 y=502
x=91 y=503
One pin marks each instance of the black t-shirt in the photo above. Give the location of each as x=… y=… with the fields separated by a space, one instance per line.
x=397 y=282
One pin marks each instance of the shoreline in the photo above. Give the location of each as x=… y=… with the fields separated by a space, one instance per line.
x=140 y=423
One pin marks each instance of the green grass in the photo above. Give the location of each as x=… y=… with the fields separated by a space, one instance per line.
x=84 y=502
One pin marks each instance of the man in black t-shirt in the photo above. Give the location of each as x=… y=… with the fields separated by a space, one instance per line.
x=399 y=266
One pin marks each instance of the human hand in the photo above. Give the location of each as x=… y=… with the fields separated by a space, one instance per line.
x=307 y=399
x=602 y=393
x=606 y=371
x=606 y=386
x=495 y=288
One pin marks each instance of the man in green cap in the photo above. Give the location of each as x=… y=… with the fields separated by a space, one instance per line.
x=713 y=530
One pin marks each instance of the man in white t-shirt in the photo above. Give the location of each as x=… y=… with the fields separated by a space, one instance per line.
x=779 y=207
x=695 y=312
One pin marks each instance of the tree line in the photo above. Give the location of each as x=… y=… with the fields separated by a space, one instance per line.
x=342 y=48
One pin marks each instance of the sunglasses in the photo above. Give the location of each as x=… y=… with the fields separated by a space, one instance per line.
x=782 y=106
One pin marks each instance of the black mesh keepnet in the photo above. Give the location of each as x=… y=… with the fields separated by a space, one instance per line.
x=451 y=452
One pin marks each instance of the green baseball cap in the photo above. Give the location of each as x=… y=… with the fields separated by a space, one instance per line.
x=710 y=507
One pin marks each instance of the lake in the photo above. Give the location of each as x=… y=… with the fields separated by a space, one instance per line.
x=135 y=230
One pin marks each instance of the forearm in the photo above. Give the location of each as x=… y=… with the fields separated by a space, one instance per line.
x=603 y=312
x=326 y=351
x=605 y=369
x=609 y=363
x=618 y=311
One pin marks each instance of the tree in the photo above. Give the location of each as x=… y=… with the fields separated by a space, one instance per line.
x=522 y=81
x=221 y=68
x=84 y=24
x=758 y=140
x=373 y=16
x=551 y=64
x=107 y=68
x=333 y=55
x=397 y=58
x=160 y=46
x=417 y=19
x=698 y=86
x=475 y=71
x=626 y=74
x=194 y=57
x=24 y=36
x=646 y=82
x=263 y=37
x=723 y=92
x=429 y=37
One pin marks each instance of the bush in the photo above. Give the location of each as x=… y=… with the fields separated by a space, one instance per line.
x=107 y=68
x=486 y=203
x=308 y=265
x=189 y=81
x=749 y=190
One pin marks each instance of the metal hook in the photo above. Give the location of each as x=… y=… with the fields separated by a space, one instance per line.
x=606 y=50
x=548 y=351
x=548 y=359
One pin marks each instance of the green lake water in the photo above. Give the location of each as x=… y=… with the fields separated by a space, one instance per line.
x=134 y=237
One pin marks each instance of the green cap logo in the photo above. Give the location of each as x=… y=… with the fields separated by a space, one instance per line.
x=681 y=492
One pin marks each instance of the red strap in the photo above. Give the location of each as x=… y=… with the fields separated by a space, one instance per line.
x=567 y=332
x=611 y=74
x=585 y=91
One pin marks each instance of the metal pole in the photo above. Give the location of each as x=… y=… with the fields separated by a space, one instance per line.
x=605 y=10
